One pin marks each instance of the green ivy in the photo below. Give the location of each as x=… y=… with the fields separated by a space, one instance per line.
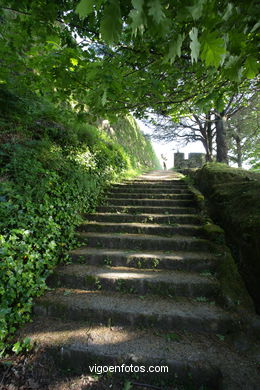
x=41 y=202
x=39 y=209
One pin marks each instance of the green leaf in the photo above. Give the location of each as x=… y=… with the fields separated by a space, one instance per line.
x=213 y=49
x=194 y=45
x=156 y=10
x=196 y=9
x=220 y=337
x=233 y=68
x=104 y=98
x=137 y=16
x=174 y=49
x=111 y=22
x=228 y=11
x=4 y=312
x=66 y=293
x=127 y=385
x=84 y=8
x=74 y=61
x=255 y=27
x=252 y=67
x=17 y=347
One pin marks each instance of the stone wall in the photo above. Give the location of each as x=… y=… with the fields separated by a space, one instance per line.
x=195 y=160
x=232 y=196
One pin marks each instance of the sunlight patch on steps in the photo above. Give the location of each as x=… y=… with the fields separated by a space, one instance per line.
x=125 y=275
x=98 y=335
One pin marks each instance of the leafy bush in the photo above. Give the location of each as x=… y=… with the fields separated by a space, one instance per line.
x=41 y=202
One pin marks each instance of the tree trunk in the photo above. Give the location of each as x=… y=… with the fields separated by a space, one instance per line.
x=206 y=136
x=206 y=147
x=222 y=150
x=209 y=139
x=239 y=151
x=208 y=152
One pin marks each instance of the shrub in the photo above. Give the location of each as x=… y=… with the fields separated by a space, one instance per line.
x=41 y=200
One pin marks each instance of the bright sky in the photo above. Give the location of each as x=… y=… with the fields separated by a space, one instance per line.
x=170 y=148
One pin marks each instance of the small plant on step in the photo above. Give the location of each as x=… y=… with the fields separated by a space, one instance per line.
x=206 y=273
x=155 y=262
x=139 y=264
x=107 y=261
x=201 y=299
x=82 y=260
x=127 y=385
x=220 y=337
x=22 y=346
x=98 y=284
x=172 y=337
x=120 y=285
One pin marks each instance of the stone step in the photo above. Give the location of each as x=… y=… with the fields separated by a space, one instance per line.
x=144 y=181
x=145 y=218
x=146 y=209
x=76 y=346
x=150 y=202
x=145 y=311
x=193 y=361
x=150 y=190
x=159 y=195
x=177 y=260
x=142 y=228
x=155 y=181
x=130 y=281
x=146 y=187
x=144 y=242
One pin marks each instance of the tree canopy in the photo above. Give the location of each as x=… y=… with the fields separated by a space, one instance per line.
x=108 y=57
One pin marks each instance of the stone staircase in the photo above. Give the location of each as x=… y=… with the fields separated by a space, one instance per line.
x=141 y=290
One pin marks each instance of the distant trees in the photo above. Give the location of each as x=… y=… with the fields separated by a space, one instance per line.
x=243 y=134
x=196 y=127
x=232 y=132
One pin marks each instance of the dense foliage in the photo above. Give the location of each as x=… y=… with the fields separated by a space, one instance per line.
x=109 y=57
x=219 y=33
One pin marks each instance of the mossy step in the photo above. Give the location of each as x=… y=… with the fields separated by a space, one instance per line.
x=142 y=228
x=159 y=195
x=127 y=280
x=147 y=209
x=175 y=260
x=149 y=202
x=74 y=346
x=145 y=311
x=145 y=218
x=144 y=241
x=150 y=190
